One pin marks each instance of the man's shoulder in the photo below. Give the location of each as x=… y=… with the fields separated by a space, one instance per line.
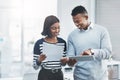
x=73 y=34
x=100 y=27
x=74 y=31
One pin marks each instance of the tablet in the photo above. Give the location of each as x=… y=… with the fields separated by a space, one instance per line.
x=83 y=58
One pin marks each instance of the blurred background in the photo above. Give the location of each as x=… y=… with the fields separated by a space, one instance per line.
x=21 y=23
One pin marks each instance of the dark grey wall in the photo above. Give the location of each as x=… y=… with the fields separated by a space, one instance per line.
x=108 y=15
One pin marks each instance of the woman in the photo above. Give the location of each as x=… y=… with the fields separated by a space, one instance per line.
x=50 y=70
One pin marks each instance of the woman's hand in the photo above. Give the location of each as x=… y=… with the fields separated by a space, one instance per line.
x=64 y=60
x=41 y=57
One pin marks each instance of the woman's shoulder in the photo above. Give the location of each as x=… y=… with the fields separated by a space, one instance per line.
x=60 y=39
x=40 y=41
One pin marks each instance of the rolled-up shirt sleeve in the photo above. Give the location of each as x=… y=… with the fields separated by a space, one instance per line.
x=106 y=48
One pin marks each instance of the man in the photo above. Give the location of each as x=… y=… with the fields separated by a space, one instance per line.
x=88 y=39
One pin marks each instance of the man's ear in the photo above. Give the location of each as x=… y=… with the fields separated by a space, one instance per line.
x=86 y=16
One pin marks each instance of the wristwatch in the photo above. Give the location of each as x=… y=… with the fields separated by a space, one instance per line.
x=92 y=51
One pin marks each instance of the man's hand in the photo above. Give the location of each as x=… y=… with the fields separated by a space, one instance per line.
x=71 y=62
x=87 y=52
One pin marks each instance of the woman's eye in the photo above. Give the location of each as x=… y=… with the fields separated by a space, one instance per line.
x=54 y=28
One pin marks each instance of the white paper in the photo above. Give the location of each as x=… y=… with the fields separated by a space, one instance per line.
x=54 y=52
x=83 y=58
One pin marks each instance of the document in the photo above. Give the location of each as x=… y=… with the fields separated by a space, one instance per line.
x=83 y=58
x=54 y=52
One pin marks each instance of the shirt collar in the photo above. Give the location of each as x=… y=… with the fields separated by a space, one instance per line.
x=89 y=27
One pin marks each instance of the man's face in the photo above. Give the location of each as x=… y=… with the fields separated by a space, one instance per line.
x=80 y=20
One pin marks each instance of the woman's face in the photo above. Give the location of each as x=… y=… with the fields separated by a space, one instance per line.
x=55 y=29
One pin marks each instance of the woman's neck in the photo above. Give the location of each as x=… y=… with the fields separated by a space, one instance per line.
x=51 y=39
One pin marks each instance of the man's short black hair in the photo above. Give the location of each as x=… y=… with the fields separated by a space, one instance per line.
x=79 y=10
